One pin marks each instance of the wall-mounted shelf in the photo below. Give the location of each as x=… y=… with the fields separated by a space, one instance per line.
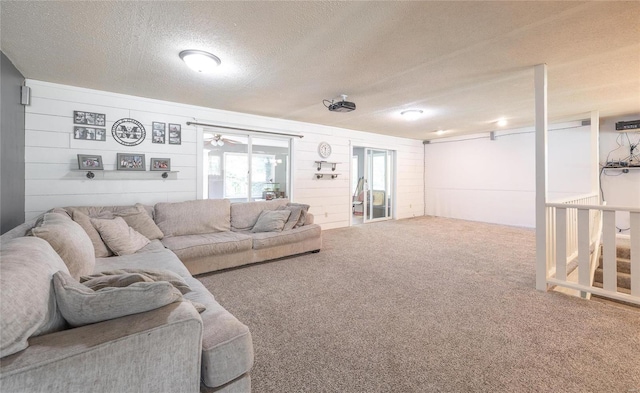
x=319 y=164
x=326 y=175
x=123 y=175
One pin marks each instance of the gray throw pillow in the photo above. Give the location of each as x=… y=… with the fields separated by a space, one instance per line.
x=69 y=240
x=80 y=305
x=303 y=214
x=294 y=217
x=271 y=221
x=101 y=249
x=138 y=219
x=118 y=236
x=126 y=277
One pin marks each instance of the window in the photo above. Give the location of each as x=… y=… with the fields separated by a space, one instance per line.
x=244 y=167
x=236 y=176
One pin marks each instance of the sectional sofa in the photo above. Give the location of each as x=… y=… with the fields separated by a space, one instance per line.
x=146 y=324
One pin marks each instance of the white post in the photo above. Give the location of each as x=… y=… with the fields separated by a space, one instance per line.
x=635 y=254
x=595 y=154
x=609 y=268
x=540 y=83
x=584 y=257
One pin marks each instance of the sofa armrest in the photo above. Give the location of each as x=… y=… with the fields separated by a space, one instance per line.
x=309 y=219
x=154 y=351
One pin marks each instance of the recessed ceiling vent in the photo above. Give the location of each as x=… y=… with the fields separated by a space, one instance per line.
x=340 y=106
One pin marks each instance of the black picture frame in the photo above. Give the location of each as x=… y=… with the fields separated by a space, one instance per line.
x=130 y=162
x=89 y=118
x=90 y=134
x=158 y=132
x=90 y=162
x=175 y=134
x=160 y=164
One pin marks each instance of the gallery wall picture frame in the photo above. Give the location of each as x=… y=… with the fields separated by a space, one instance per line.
x=90 y=162
x=89 y=118
x=158 y=132
x=160 y=164
x=90 y=133
x=130 y=162
x=175 y=134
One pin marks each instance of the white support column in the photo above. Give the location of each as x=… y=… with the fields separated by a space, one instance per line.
x=595 y=154
x=540 y=83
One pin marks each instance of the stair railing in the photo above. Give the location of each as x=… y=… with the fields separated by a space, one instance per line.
x=575 y=229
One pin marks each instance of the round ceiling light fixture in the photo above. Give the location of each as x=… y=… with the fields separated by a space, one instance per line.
x=501 y=122
x=412 y=114
x=199 y=60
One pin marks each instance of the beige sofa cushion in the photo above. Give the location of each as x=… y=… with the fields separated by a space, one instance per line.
x=197 y=246
x=81 y=306
x=272 y=239
x=139 y=219
x=100 y=249
x=118 y=236
x=69 y=240
x=244 y=215
x=193 y=217
x=27 y=301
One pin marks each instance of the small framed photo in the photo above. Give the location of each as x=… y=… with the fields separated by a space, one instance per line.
x=175 y=134
x=89 y=118
x=89 y=133
x=130 y=162
x=159 y=132
x=89 y=162
x=160 y=164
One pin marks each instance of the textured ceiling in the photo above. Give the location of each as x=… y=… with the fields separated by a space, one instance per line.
x=465 y=64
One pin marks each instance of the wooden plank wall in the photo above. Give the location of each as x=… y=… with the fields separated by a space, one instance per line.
x=51 y=155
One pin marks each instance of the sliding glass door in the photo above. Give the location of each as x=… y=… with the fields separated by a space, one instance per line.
x=378 y=184
x=245 y=167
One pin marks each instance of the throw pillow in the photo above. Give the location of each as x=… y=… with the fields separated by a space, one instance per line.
x=118 y=236
x=303 y=214
x=294 y=217
x=27 y=301
x=271 y=221
x=138 y=219
x=81 y=306
x=101 y=249
x=69 y=240
x=125 y=277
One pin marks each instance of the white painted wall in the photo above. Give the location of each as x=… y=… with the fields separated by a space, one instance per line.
x=620 y=189
x=51 y=155
x=475 y=178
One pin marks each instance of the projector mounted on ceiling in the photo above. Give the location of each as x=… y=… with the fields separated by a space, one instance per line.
x=340 y=106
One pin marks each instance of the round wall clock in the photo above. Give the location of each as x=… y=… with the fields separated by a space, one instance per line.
x=128 y=132
x=324 y=149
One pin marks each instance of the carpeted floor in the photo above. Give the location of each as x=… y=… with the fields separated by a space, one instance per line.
x=425 y=305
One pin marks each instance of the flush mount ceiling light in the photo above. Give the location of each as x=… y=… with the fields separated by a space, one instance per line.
x=501 y=122
x=412 y=114
x=200 y=61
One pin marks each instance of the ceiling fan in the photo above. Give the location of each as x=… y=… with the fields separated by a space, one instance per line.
x=216 y=140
